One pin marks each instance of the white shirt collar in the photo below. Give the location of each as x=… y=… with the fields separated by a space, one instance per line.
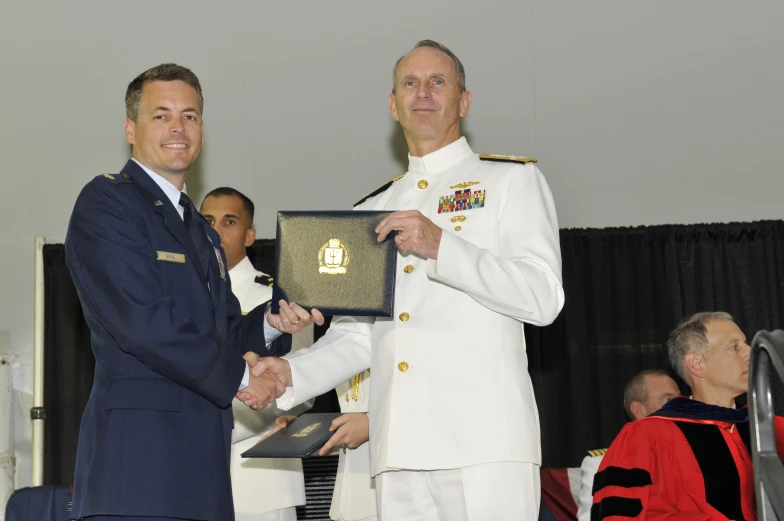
x=169 y=189
x=242 y=271
x=441 y=159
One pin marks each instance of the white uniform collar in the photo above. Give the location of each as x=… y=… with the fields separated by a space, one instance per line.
x=243 y=271
x=169 y=189
x=441 y=159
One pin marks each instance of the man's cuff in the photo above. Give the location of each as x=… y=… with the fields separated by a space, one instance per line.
x=288 y=399
x=270 y=333
x=245 y=378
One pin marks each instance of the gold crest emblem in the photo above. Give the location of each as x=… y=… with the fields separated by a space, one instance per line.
x=306 y=430
x=333 y=258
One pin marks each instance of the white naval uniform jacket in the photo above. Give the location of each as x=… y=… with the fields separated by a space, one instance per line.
x=588 y=469
x=261 y=485
x=450 y=384
x=354 y=496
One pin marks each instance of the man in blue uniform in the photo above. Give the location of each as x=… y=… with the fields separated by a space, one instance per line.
x=167 y=332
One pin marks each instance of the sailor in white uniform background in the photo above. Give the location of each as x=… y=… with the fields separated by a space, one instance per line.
x=263 y=489
x=354 y=495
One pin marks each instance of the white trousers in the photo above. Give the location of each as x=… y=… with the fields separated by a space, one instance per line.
x=490 y=492
x=284 y=514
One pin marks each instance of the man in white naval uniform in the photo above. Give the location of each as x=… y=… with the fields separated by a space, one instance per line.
x=454 y=430
x=354 y=496
x=263 y=489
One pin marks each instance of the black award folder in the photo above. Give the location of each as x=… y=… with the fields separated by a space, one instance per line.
x=301 y=438
x=331 y=261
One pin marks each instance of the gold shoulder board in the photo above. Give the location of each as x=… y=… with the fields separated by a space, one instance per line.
x=264 y=280
x=507 y=159
x=109 y=176
x=378 y=190
x=597 y=452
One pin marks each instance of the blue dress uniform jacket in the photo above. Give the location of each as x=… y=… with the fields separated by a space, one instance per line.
x=168 y=340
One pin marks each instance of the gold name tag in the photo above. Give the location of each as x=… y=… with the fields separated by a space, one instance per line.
x=171 y=257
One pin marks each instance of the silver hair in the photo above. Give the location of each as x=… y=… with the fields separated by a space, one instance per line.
x=690 y=337
x=439 y=47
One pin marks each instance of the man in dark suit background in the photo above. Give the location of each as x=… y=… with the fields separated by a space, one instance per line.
x=167 y=332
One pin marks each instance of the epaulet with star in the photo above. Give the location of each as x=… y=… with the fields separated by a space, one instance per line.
x=597 y=452
x=378 y=190
x=507 y=159
x=264 y=280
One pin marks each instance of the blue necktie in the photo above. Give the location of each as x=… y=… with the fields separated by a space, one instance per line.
x=196 y=230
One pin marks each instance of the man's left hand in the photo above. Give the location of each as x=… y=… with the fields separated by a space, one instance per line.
x=293 y=318
x=351 y=430
x=415 y=233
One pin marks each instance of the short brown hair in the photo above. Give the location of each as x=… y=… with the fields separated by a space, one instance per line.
x=162 y=72
x=691 y=337
x=636 y=390
x=439 y=47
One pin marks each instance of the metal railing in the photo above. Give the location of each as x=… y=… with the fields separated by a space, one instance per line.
x=767 y=360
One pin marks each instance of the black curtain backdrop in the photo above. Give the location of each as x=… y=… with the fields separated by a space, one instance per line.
x=626 y=288
x=68 y=367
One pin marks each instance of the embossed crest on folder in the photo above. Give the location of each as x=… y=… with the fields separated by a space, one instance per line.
x=306 y=430
x=333 y=257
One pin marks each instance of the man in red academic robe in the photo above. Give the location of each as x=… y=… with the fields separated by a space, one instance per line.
x=691 y=460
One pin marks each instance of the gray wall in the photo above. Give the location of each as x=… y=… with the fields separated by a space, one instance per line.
x=640 y=113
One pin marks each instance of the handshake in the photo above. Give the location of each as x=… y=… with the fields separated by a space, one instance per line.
x=269 y=377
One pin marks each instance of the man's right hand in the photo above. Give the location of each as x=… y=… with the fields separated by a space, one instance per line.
x=268 y=369
x=280 y=367
x=262 y=389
